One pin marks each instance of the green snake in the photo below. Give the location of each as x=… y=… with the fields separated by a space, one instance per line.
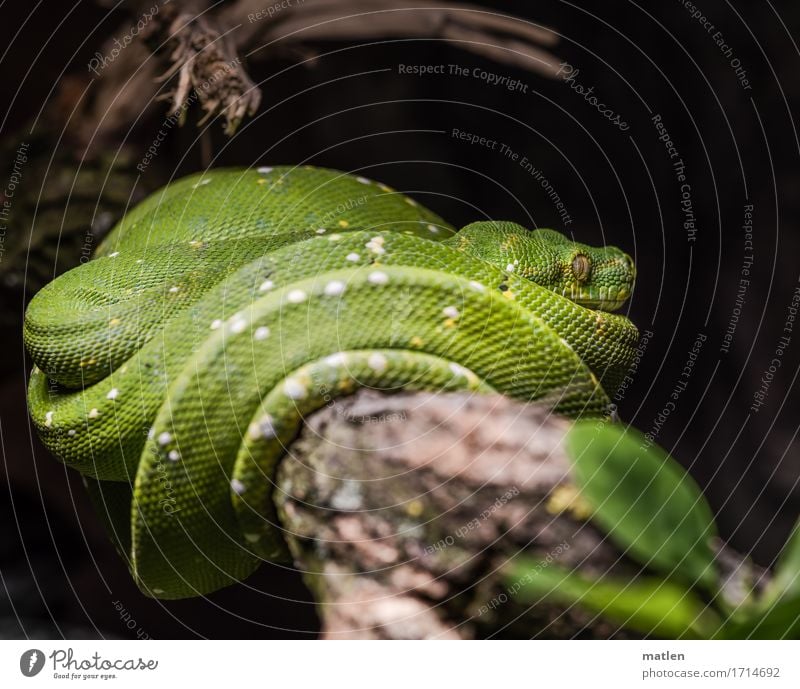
x=174 y=369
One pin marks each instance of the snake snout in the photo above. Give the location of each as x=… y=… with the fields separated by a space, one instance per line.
x=631 y=267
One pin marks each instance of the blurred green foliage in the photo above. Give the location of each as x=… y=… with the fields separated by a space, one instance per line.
x=656 y=515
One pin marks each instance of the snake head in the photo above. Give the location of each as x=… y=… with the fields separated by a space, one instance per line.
x=595 y=277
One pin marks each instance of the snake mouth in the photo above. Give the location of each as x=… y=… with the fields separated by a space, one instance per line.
x=601 y=299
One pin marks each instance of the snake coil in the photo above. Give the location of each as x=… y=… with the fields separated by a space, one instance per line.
x=174 y=368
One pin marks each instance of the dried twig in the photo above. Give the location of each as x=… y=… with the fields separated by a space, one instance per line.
x=201 y=44
x=206 y=64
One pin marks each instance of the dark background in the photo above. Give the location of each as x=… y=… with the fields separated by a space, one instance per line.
x=739 y=147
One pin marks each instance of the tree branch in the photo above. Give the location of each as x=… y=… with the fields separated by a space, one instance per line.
x=404 y=510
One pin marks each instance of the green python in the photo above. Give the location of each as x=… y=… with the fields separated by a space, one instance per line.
x=174 y=369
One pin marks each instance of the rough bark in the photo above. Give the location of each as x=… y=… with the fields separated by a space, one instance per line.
x=404 y=511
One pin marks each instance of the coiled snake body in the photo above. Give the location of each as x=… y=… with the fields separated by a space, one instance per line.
x=174 y=368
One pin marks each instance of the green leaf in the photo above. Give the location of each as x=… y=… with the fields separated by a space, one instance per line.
x=786 y=582
x=647 y=605
x=644 y=501
x=780 y=620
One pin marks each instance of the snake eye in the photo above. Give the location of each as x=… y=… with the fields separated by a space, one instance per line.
x=581 y=267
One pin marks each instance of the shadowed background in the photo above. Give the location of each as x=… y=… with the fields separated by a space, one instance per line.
x=351 y=108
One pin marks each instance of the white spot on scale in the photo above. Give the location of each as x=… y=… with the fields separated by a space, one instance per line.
x=93 y=413
x=216 y=324
x=238 y=325
x=377 y=362
x=294 y=389
x=164 y=438
x=378 y=278
x=237 y=486
x=433 y=228
x=264 y=170
x=451 y=312
x=363 y=180
x=510 y=268
x=321 y=230
x=263 y=428
x=174 y=289
x=201 y=183
x=334 y=288
x=48 y=419
x=296 y=296
x=338 y=359
x=114 y=255
x=266 y=286
x=261 y=333
x=71 y=432
x=459 y=370
x=375 y=245
x=477 y=286
x=173 y=455
x=353 y=257
x=112 y=394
